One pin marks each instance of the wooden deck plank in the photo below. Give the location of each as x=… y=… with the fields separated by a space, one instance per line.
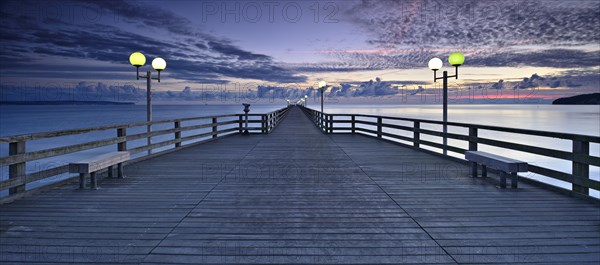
x=474 y=221
x=299 y=196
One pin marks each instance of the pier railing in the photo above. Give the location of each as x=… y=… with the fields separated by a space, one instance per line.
x=198 y=130
x=411 y=132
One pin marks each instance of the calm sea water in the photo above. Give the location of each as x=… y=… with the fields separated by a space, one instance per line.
x=31 y=119
x=569 y=119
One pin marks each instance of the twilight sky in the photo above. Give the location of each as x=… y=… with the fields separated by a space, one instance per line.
x=298 y=43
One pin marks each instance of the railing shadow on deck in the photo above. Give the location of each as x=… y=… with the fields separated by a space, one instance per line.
x=374 y=126
x=210 y=128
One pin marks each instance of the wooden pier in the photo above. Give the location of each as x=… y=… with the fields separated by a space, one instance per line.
x=299 y=196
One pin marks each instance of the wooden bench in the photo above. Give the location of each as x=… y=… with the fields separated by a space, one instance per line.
x=504 y=164
x=93 y=164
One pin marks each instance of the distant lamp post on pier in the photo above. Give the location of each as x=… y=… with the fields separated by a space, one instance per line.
x=246 y=110
x=322 y=87
x=455 y=59
x=137 y=59
x=305 y=100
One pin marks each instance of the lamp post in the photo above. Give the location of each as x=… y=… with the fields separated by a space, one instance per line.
x=137 y=59
x=246 y=110
x=455 y=59
x=322 y=87
x=305 y=100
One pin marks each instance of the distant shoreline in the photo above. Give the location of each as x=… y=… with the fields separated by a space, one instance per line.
x=583 y=99
x=74 y=102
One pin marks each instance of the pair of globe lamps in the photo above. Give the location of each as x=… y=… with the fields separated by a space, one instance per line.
x=455 y=59
x=138 y=60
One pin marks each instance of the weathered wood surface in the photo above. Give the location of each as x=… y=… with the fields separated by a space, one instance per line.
x=299 y=196
x=99 y=162
x=505 y=164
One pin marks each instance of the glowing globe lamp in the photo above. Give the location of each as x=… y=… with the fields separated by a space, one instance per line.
x=456 y=59
x=137 y=59
x=435 y=64
x=159 y=64
x=322 y=85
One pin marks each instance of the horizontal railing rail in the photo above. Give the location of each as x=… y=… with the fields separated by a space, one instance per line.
x=211 y=127
x=579 y=156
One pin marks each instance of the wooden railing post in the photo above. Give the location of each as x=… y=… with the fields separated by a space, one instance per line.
x=121 y=146
x=379 y=122
x=416 y=134
x=267 y=119
x=317 y=116
x=330 y=123
x=177 y=134
x=473 y=147
x=321 y=121
x=353 y=123
x=274 y=119
x=264 y=123
x=214 y=127
x=241 y=123
x=16 y=170
x=472 y=138
x=122 y=132
x=580 y=169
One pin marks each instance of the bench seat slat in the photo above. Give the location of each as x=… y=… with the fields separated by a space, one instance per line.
x=99 y=162
x=495 y=161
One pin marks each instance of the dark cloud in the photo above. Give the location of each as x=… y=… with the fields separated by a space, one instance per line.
x=498 y=85
x=418 y=58
x=545 y=33
x=564 y=58
x=201 y=46
x=329 y=67
x=568 y=79
x=186 y=50
x=146 y=15
x=455 y=23
x=528 y=82
x=231 y=50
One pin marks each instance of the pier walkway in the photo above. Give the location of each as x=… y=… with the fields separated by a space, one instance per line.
x=299 y=196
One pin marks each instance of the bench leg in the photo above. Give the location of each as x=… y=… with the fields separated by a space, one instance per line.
x=120 y=171
x=513 y=180
x=110 y=171
x=81 y=181
x=503 y=179
x=473 y=169
x=483 y=171
x=93 y=181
